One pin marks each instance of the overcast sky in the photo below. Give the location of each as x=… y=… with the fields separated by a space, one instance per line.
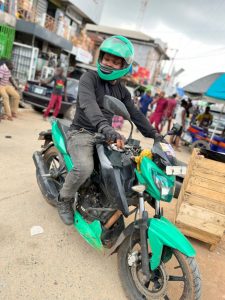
x=195 y=27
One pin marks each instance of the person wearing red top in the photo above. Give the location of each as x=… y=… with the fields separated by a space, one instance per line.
x=171 y=105
x=157 y=115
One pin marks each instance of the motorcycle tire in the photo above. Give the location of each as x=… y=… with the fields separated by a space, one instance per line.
x=50 y=154
x=133 y=291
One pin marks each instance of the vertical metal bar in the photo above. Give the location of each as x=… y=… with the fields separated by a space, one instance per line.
x=141 y=205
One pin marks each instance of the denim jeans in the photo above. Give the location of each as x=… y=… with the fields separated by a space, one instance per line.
x=81 y=149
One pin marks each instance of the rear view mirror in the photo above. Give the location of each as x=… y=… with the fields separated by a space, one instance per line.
x=116 y=107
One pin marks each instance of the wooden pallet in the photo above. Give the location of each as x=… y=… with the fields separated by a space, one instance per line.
x=200 y=211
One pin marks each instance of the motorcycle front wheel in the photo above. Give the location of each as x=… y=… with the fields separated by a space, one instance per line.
x=178 y=278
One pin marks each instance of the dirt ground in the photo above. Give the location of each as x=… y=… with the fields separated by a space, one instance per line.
x=58 y=264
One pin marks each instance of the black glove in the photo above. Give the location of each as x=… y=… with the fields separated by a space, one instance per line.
x=159 y=138
x=111 y=135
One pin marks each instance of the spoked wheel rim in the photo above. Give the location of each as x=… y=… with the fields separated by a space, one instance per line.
x=155 y=287
x=167 y=282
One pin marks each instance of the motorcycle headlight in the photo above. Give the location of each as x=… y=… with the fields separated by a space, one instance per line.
x=165 y=187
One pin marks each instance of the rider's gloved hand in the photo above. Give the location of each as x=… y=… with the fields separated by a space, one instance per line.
x=112 y=136
x=159 y=138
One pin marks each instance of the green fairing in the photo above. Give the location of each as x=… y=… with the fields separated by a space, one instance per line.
x=91 y=232
x=145 y=177
x=162 y=232
x=60 y=144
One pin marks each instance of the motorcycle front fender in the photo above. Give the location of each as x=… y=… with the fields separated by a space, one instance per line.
x=162 y=232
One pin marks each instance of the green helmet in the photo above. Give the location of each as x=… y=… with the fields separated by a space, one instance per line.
x=119 y=46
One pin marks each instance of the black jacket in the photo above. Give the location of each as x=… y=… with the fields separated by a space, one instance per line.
x=90 y=113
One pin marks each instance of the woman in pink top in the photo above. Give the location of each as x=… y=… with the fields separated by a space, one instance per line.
x=157 y=115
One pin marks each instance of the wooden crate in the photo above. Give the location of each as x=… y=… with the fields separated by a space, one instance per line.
x=200 y=211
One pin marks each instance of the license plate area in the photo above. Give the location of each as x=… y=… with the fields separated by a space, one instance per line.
x=176 y=170
x=40 y=90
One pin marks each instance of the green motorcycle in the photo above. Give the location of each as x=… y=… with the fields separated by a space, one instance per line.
x=155 y=260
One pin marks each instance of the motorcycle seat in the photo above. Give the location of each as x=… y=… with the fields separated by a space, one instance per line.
x=64 y=126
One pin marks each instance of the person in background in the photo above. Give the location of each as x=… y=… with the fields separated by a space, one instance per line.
x=196 y=112
x=145 y=101
x=60 y=82
x=8 y=88
x=161 y=105
x=179 y=124
x=169 y=114
x=188 y=107
x=117 y=122
x=205 y=119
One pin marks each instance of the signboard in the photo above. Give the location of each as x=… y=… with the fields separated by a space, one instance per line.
x=83 y=56
x=142 y=75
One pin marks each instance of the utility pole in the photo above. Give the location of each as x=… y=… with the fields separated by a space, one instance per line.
x=170 y=71
x=141 y=14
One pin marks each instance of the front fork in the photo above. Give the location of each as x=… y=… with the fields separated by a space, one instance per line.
x=143 y=226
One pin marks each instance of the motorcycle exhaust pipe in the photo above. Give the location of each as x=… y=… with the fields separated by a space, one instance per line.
x=45 y=183
x=113 y=219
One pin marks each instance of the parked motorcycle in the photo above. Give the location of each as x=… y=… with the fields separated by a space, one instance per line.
x=155 y=260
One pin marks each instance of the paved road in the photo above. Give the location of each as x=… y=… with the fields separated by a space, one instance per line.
x=58 y=264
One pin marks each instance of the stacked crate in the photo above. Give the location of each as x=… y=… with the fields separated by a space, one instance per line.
x=200 y=211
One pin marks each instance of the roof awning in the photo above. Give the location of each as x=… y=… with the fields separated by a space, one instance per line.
x=44 y=34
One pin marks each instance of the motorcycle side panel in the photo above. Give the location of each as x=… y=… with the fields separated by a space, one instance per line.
x=59 y=143
x=162 y=232
x=112 y=181
x=91 y=232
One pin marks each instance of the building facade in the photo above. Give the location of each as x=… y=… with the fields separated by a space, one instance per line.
x=50 y=32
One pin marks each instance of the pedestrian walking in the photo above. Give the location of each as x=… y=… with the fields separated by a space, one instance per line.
x=169 y=114
x=145 y=101
x=179 y=124
x=157 y=116
x=60 y=82
x=8 y=88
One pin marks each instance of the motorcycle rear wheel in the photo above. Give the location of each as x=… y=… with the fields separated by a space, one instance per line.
x=52 y=161
x=158 y=288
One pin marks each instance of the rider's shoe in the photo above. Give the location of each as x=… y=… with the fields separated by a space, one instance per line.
x=65 y=211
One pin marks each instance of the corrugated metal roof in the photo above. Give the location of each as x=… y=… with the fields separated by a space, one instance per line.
x=137 y=35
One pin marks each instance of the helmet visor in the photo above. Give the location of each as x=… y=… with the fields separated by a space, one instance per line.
x=118 y=48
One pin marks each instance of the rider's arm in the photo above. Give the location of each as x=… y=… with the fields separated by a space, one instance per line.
x=48 y=80
x=138 y=118
x=88 y=102
x=154 y=102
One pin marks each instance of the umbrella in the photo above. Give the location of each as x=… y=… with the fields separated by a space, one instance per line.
x=211 y=87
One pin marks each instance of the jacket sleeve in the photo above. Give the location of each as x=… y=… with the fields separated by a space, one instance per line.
x=88 y=103
x=138 y=118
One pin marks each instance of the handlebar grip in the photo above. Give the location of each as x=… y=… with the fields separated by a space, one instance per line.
x=100 y=138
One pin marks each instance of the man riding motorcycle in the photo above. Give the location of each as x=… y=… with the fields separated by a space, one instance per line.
x=115 y=60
